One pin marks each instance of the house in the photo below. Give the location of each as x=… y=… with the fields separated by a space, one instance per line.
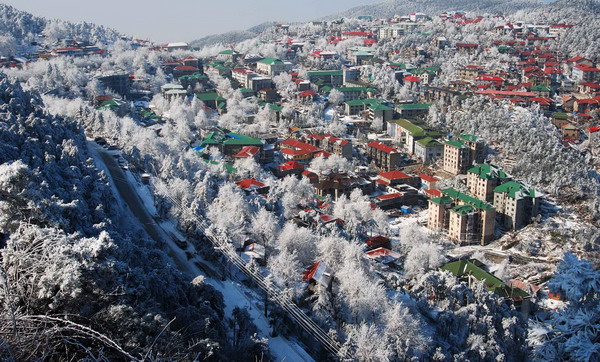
x=331 y=144
x=585 y=105
x=338 y=184
x=468 y=48
x=389 y=201
x=183 y=70
x=228 y=143
x=571 y=63
x=312 y=177
x=483 y=178
x=516 y=204
x=384 y=256
x=471 y=271
x=273 y=66
x=467 y=219
x=294 y=150
x=171 y=47
x=212 y=100
x=428 y=182
x=384 y=156
x=249 y=152
x=461 y=153
x=251 y=185
x=358 y=57
x=589 y=88
x=393 y=178
x=290 y=168
x=318 y=274
x=569 y=132
x=379 y=241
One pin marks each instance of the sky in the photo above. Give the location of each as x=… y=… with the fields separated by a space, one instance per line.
x=182 y=20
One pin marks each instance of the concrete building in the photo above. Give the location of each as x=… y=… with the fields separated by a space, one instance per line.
x=357 y=106
x=273 y=66
x=331 y=144
x=381 y=111
x=483 y=179
x=467 y=220
x=385 y=157
x=461 y=153
x=413 y=110
x=321 y=77
x=428 y=149
x=117 y=82
x=516 y=204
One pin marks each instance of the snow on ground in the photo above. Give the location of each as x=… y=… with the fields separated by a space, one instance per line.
x=93 y=149
x=234 y=293
x=329 y=113
x=144 y=193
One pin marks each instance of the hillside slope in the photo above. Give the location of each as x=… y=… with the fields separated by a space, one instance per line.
x=403 y=7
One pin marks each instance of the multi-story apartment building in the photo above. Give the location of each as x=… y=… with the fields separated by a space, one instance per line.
x=483 y=179
x=466 y=219
x=272 y=66
x=461 y=153
x=516 y=204
x=385 y=157
x=428 y=149
x=332 y=77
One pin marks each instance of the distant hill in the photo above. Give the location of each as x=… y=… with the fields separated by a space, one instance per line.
x=235 y=36
x=404 y=7
x=20 y=25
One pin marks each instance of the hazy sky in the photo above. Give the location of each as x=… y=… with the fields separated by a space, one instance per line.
x=182 y=20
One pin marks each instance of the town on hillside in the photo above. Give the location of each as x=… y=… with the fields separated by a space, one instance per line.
x=376 y=171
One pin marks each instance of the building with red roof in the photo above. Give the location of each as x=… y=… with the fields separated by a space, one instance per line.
x=331 y=144
x=429 y=182
x=384 y=156
x=395 y=177
x=248 y=151
x=318 y=273
x=585 y=73
x=251 y=185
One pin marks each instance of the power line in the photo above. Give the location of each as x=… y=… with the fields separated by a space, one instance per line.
x=221 y=243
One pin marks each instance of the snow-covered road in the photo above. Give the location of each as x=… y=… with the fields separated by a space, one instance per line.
x=234 y=293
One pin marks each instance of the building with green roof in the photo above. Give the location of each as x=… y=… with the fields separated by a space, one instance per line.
x=229 y=143
x=483 y=178
x=334 y=78
x=356 y=106
x=472 y=272
x=461 y=152
x=428 y=149
x=466 y=219
x=272 y=66
x=211 y=99
x=516 y=203
x=409 y=132
x=352 y=93
x=413 y=110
